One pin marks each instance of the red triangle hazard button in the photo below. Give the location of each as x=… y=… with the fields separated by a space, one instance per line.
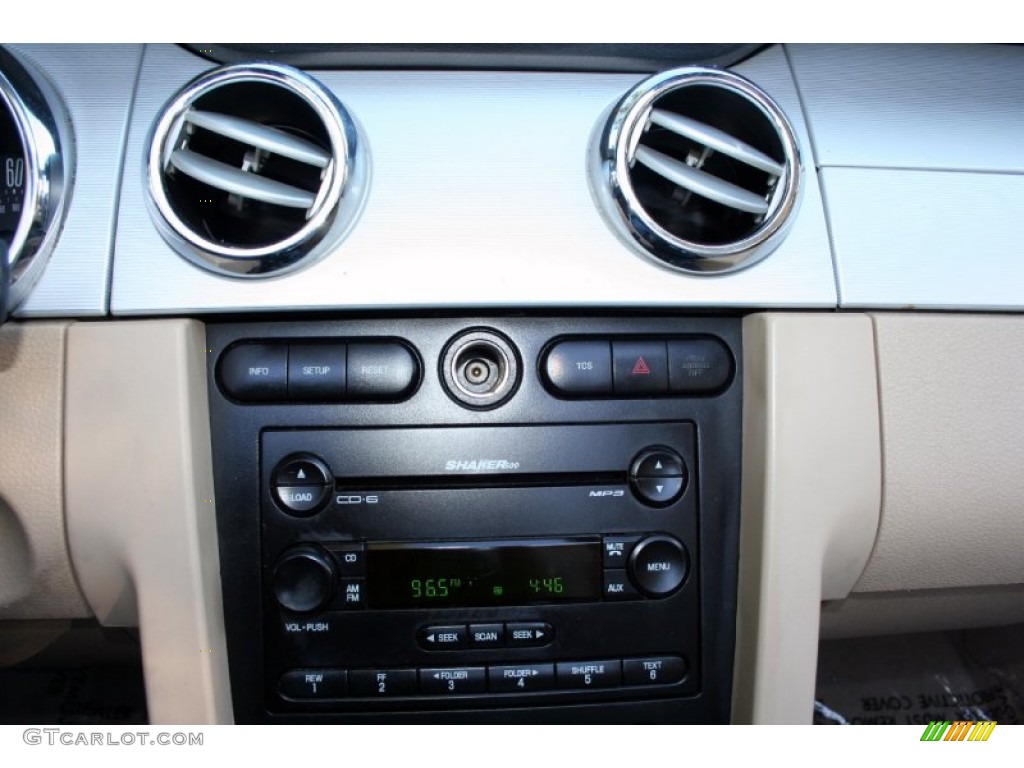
x=640 y=368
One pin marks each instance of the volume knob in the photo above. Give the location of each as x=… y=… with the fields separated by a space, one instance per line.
x=304 y=579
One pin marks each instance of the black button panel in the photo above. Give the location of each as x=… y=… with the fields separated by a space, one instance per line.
x=637 y=367
x=450 y=637
x=522 y=678
x=315 y=372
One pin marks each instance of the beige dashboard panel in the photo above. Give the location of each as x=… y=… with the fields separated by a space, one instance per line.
x=810 y=501
x=36 y=580
x=140 y=510
x=952 y=400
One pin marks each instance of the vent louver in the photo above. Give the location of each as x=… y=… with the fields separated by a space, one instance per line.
x=698 y=169
x=255 y=169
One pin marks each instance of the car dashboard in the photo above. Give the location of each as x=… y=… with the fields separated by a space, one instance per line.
x=592 y=383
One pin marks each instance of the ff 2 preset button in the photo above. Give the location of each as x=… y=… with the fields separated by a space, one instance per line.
x=255 y=372
x=372 y=683
x=580 y=367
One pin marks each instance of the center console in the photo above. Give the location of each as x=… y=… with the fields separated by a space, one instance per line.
x=461 y=519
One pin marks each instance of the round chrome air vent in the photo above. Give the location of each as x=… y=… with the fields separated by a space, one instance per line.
x=698 y=169
x=35 y=171
x=255 y=169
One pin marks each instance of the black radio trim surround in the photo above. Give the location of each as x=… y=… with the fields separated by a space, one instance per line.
x=241 y=489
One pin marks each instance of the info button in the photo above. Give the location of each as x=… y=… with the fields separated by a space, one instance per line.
x=451 y=637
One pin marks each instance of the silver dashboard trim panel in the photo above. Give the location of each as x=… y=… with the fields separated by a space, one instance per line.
x=913 y=239
x=479 y=198
x=944 y=107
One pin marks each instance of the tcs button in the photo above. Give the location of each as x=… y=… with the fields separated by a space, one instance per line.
x=580 y=368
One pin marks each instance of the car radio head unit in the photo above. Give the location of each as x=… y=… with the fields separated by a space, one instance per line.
x=420 y=559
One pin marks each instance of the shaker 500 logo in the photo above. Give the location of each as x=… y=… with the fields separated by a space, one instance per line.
x=480 y=465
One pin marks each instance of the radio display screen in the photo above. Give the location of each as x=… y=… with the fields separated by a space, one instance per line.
x=484 y=573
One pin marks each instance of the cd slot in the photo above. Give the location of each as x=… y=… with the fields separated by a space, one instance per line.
x=461 y=482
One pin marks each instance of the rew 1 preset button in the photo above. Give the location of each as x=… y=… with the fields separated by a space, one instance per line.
x=300 y=684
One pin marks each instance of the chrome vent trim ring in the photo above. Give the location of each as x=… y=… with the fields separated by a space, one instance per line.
x=44 y=132
x=325 y=214
x=621 y=145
